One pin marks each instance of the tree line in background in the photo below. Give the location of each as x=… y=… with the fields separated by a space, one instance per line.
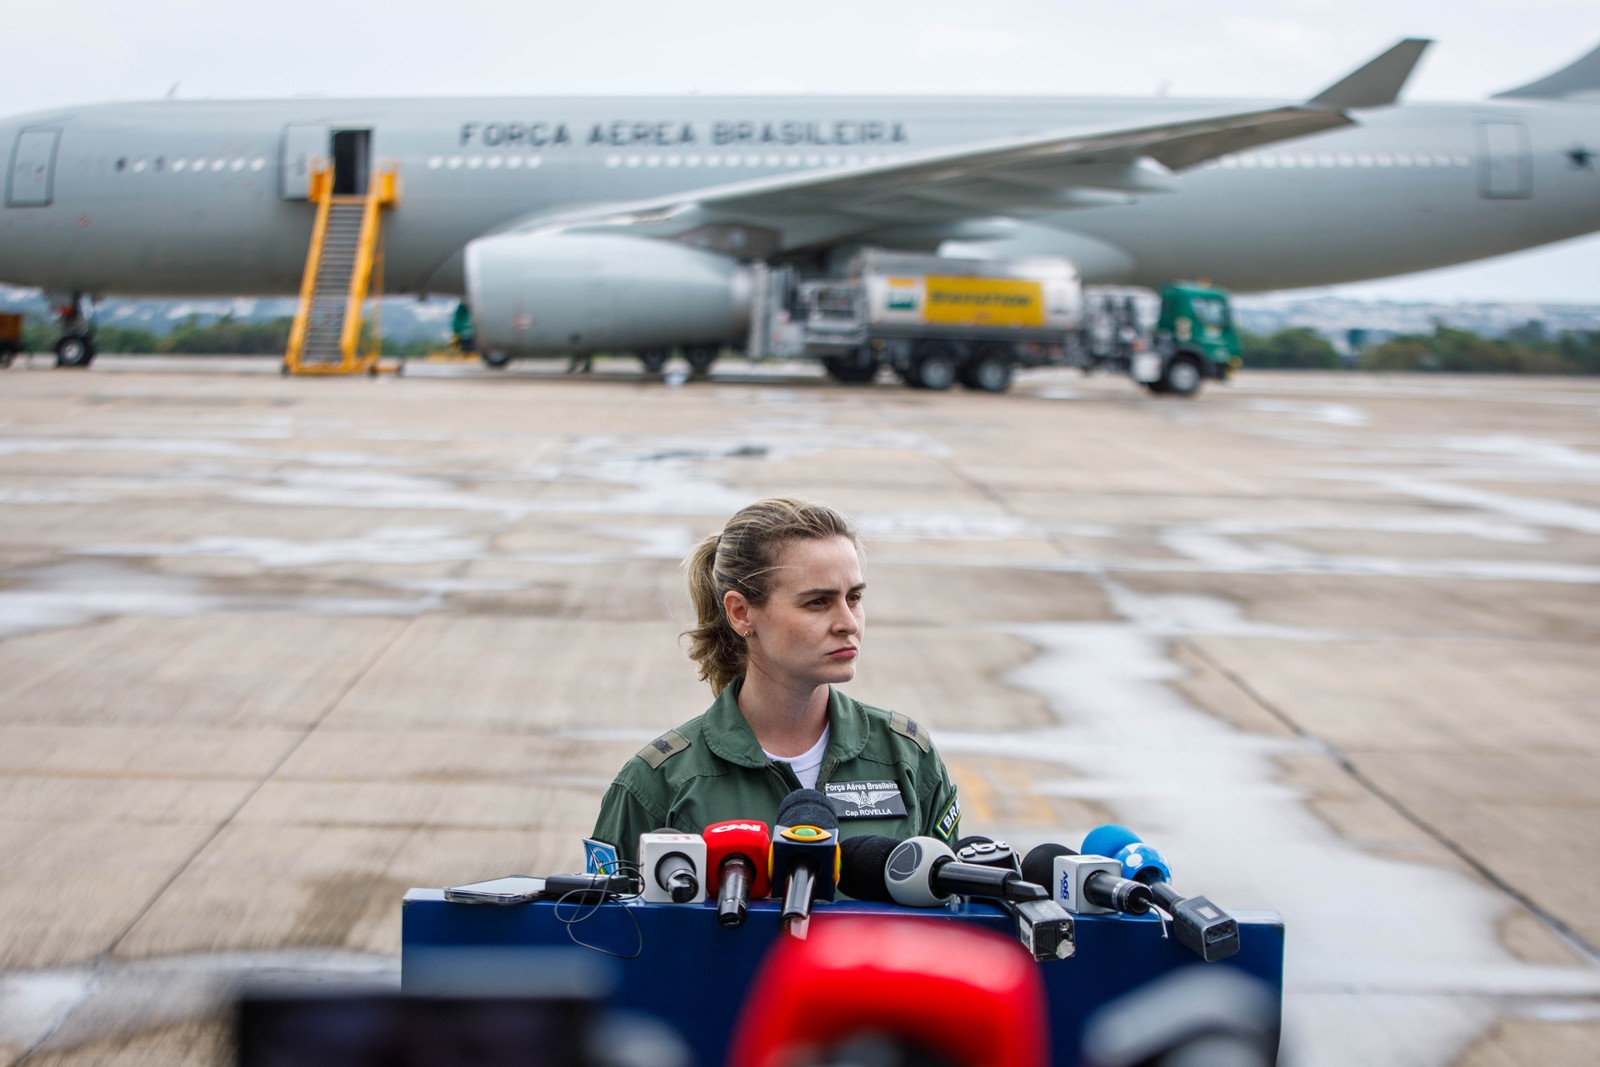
x=197 y=336
x=1528 y=349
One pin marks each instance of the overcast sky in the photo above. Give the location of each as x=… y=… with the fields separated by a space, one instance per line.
x=84 y=51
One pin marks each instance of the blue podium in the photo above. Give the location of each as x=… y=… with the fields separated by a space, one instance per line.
x=692 y=973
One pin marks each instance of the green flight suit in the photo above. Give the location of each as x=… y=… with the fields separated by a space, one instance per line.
x=711 y=769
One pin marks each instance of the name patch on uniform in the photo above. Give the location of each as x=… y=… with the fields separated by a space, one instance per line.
x=865 y=800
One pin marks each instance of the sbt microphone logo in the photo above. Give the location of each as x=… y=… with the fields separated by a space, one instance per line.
x=752 y=827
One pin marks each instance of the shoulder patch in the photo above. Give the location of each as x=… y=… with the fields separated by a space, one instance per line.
x=910 y=728
x=667 y=745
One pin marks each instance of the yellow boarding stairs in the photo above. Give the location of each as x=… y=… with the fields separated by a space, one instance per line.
x=344 y=268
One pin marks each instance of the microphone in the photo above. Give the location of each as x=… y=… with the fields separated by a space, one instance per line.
x=1086 y=885
x=671 y=864
x=736 y=866
x=923 y=873
x=805 y=853
x=987 y=852
x=1200 y=926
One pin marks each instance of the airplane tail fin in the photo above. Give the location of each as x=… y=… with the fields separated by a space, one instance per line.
x=1578 y=79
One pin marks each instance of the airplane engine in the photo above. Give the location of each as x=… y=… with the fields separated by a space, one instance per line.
x=581 y=292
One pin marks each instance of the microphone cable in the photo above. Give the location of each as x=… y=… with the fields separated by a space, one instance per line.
x=585 y=904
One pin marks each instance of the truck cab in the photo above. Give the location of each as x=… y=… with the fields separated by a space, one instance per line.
x=1195 y=339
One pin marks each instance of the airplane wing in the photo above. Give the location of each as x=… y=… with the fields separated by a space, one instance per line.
x=1016 y=177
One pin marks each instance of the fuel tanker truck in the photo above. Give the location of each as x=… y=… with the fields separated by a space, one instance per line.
x=932 y=320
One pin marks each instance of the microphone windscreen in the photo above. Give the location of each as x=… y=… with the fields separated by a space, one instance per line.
x=973 y=839
x=741 y=837
x=861 y=867
x=807 y=807
x=1040 y=865
x=1108 y=840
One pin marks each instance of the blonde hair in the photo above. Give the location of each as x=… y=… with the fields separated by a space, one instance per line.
x=742 y=558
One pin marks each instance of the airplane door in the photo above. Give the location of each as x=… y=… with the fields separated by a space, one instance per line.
x=1505 y=163
x=303 y=147
x=31 y=179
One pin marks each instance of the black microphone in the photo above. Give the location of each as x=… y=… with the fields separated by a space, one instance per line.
x=1085 y=884
x=1044 y=927
x=987 y=852
x=1200 y=926
x=923 y=873
x=805 y=853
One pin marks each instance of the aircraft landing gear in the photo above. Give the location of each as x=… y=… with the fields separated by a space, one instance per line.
x=76 y=347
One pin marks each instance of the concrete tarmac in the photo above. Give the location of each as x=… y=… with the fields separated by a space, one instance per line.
x=272 y=651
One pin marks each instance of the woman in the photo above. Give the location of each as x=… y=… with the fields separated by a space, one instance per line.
x=778 y=597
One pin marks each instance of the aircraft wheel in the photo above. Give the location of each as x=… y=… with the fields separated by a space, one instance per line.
x=701 y=357
x=494 y=360
x=933 y=367
x=851 y=369
x=1181 y=377
x=74 y=350
x=653 y=359
x=989 y=371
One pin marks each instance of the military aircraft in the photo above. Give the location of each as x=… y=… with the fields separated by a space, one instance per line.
x=573 y=225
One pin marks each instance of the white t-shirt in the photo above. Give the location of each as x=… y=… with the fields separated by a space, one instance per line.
x=808 y=764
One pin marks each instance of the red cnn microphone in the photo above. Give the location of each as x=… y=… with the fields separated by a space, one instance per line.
x=736 y=866
x=973 y=997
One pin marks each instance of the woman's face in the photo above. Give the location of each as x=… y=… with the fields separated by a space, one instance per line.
x=808 y=633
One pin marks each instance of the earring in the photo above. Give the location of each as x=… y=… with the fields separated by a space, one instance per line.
x=749 y=634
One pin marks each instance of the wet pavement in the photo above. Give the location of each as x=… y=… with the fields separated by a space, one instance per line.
x=273 y=651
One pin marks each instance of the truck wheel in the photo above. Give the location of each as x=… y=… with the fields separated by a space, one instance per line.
x=1181 y=377
x=74 y=350
x=989 y=371
x=494 y=360
x=851 y=369
x=933 y=367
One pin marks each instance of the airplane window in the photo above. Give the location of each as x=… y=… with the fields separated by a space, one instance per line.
x=474 y=162
x=257 y=163
x=752 y=161
x=813 y=161
x=1228 y=162
x=514 y=162
x=534 y=161
x=1422 y=159
x=852 y=161
x=1325 y=159
x=1363 y=159
x=691 y=161
x=833 y=161
x=435 y=162
x=652 y=161
x=613 y=161
x=1441 y=159
x=1269 y=161
x=179 y=165
x=1308 y=160
x=138 y=166
x=674 y=161
x=237 y=164
x=1289 y=162
x=1346 y=159
x=633 y=161
x=494 y=162
x=1385 y=159
x=454 y=163
x=791 y=161
x=218 y=164
x=1402 y=159
x=713 y=161
x=1247 y=162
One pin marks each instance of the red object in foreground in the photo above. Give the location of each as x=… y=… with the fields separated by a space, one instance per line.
x=972 y=996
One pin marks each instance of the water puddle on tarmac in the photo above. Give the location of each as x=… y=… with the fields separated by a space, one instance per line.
x=1388 y=962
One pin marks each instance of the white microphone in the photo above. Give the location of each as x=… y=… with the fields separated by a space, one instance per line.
x=673 y=866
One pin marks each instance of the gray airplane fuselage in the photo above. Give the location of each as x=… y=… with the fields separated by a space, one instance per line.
x=178 y=197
